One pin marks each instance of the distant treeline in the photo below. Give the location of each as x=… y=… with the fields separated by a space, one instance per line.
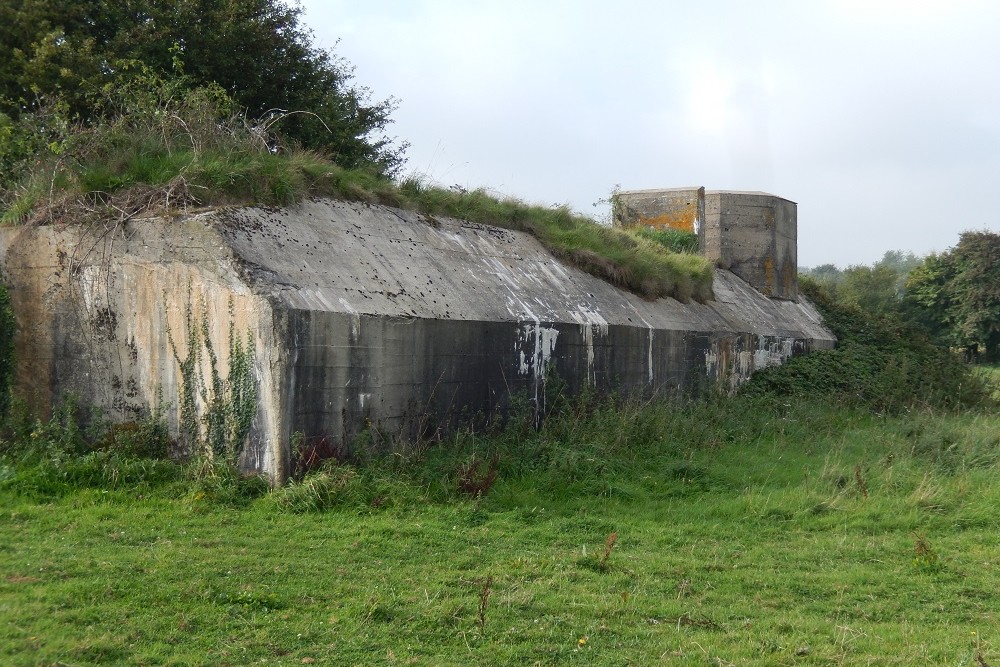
x=954 y=295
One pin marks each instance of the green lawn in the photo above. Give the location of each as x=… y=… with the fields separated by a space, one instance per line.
x=813 y=536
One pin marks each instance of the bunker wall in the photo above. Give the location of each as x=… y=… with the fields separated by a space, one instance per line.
x=358 y=317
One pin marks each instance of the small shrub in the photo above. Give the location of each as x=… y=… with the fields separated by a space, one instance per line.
x=476 y=478
x=311 y=454
x=924 y=556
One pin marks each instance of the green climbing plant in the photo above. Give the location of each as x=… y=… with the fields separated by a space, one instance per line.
x=216 y=413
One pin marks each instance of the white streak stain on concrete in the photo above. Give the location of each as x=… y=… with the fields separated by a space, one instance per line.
x=586 y=315
x=744 y=363
x=711 y=362
x=355 y=318
x=650 y=360
x=588 y=340
x=90 y=279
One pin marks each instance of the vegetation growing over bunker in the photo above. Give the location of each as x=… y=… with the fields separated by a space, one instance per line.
x=114 y=113
x=171 y=149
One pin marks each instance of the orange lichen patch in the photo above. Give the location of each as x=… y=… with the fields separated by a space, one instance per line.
x=788 y=278
x=681 y=220
x=769 y=275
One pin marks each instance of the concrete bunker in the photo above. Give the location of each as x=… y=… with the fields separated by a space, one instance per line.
x=752 y=234
x=359 y=315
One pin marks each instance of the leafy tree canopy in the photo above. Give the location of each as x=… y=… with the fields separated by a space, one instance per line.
x=957 y=294
x=258 y=51
x=877 y=288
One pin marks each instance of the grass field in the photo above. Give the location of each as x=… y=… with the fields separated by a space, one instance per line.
x=799 y=534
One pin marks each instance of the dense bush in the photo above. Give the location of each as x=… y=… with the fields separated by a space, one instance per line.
x=880 y=362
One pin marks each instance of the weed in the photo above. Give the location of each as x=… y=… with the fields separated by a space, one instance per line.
x=249 y=600
x=484 y=600
x=924 y=556
x=211 y=485
x=58 y=456
x=674 y=240
x=859 y=479
x=475 y=478
x=688 y=621
x=326 y=487
x=609 y=545
x=216 y=414
x=7 y=361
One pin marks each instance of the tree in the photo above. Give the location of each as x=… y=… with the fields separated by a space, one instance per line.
x=256 y=50
x=872 y=288
x=976 y=290
x=957 y=294
x=877 y=288
x=928 y=299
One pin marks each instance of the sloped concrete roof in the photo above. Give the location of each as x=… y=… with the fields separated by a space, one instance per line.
x=357 y=258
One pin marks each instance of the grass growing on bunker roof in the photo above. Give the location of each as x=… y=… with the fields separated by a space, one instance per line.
x=179 y=152
x=622 y=257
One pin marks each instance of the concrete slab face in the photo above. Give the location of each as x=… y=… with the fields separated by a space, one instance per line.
x=682 y=209
x=359 y=316
x=105 y=314
x=754 y=234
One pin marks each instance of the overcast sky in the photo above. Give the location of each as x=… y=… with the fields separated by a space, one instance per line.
x=881 y=118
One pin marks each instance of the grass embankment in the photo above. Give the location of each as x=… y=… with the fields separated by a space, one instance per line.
x=175 y=154
x=748 y=532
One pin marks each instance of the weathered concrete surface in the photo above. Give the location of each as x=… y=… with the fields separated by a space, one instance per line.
x=754 y=235
x=670 y=208
x=361 y=315
x=97 y=308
